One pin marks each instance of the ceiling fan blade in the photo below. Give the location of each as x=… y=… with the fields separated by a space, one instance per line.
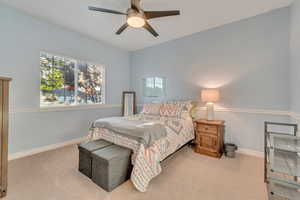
x=150 y=29
x=122 y=29
x=106 y=10
x=157 y=14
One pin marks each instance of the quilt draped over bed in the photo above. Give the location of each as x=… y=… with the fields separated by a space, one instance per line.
x=143 y=131
x=146 y=159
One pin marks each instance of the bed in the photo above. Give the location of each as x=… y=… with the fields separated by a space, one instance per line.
x=176 y=120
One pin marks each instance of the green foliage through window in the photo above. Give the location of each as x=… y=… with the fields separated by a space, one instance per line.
x=67 y=81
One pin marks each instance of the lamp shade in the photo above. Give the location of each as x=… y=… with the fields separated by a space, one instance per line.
x=210 y=95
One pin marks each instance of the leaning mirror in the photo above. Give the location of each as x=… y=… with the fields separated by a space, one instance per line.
x=128 y=103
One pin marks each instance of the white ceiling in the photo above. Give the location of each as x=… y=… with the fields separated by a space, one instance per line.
x=196 y=16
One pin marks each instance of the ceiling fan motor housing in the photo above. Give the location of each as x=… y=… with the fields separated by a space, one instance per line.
x=133 y=13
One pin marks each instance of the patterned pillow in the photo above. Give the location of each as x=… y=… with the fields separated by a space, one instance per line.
x=188 y=108
x=186 y=105
x=171 y=109
x=151 y=108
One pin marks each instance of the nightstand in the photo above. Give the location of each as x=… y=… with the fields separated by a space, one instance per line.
x=209 y=137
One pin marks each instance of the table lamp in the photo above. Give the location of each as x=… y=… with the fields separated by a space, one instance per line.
x=210 y=96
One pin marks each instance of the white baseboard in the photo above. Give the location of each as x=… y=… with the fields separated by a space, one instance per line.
x=34 y=151
x=250 y=152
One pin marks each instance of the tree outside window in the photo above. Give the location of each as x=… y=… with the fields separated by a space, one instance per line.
x=67 y=81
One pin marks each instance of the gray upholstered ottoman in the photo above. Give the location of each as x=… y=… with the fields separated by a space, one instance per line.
x=85 y=151
x=111 y=167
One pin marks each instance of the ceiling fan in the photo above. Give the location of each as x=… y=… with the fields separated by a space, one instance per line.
x=136 y=17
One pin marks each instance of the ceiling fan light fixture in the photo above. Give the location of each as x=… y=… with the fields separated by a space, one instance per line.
x=136 y=21
x=136 y=17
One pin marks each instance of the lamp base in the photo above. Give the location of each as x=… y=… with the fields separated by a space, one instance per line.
x=210 y=111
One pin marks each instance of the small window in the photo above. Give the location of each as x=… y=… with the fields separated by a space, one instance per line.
x=154 y=87
x=66 y=81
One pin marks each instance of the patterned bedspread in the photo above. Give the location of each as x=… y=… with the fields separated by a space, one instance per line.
x=146 y=161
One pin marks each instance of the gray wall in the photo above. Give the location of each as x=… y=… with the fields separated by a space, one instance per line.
x=22 y=39
x=295 y=57
x=247 y=60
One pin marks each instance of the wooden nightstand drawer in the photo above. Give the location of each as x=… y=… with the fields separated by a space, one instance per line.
x=208 y=129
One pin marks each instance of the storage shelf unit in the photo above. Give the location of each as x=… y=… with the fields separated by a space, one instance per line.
x=284 y=142
x=282 y=163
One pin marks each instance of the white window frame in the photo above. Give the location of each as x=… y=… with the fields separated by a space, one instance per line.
x=154 y=86
x=75 y=106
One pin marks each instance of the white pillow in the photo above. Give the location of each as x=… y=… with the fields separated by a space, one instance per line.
x=187 y=106
x=186 y=115
x=151 y=108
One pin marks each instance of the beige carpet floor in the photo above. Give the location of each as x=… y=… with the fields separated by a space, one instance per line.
x=53 y=175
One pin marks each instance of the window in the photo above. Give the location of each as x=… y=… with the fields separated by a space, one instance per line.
x=66 y=81
x=154 y=87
